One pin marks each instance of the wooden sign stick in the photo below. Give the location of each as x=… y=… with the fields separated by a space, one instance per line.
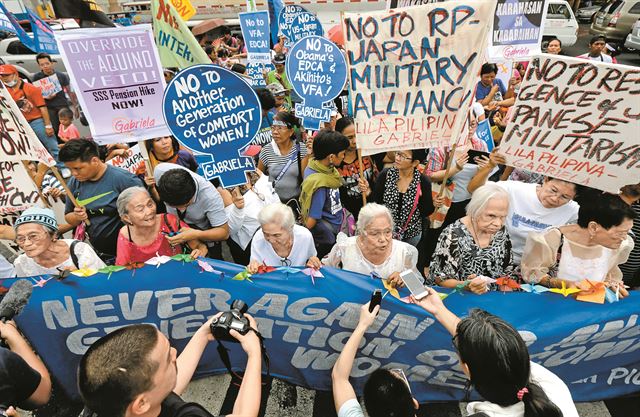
x=67 y=190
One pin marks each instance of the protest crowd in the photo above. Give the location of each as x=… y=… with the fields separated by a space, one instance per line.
x=449 y=218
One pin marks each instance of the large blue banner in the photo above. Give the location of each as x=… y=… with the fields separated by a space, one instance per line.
x=594 y=348
x=17 y=29
x=44 y=40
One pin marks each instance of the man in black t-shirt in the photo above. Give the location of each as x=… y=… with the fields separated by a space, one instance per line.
x=24 y=380
x=134 y=371
x=56 y=101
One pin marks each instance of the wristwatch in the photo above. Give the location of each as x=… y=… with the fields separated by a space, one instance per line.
x=48 y=127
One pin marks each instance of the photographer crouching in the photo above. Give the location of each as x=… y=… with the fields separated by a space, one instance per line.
x=134 y=371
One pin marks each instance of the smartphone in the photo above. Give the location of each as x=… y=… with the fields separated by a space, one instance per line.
x=399 y=373
x=414 y=283
x=376 y=298
x=474 y=154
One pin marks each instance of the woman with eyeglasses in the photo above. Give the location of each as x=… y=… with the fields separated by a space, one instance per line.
x=494 y=357
x=593 y=249
x=373 y=250
x=534 y=207
x=280 y=241
x=36 y=234
x=407 y=194
x=284 y=159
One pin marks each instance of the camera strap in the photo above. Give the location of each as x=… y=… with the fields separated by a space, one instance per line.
x=224 y=355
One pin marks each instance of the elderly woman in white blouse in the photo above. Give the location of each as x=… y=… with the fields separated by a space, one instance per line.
x=373 y=249
x=36 y=234
x=280 y=241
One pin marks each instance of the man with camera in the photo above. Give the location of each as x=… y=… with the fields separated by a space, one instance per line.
x=24 y=380
x=134 y=371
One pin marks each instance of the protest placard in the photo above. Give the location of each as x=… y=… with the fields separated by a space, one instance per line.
x=17 y=191
x=17 y=29
x=18 y=142
x=413 y=72
x=255 y=30
x=49 y=85
x=43 y=37
x=132 y=161
x=578 y=121
x=176 y=44
x=393 y=4
x=317 y=72
x=213 y=111
x=184 y=8
x=517 y=29
x=118 y=79
x=505 y=71
x=483 y=132
x=291 y=26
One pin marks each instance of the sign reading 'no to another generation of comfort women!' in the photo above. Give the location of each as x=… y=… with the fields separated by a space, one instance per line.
x=413 y=72
x=214 y=112
x=578 y=121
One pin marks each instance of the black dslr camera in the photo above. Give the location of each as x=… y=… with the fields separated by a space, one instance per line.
x=232 y=319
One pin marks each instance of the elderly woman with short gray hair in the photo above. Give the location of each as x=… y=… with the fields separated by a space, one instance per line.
x=281 y=242
x=475 y=246
x=144 y=234
x=373 y=249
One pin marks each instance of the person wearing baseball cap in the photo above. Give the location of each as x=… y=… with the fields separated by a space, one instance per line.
x=30 y=101
x=36 y=234
x=279 y=76
x=279 y=93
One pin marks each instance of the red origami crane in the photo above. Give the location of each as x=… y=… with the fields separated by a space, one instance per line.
x=507 y=284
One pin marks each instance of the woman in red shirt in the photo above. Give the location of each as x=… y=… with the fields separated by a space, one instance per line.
x=144 y=234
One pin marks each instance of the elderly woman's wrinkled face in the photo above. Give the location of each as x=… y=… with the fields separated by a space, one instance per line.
x=34 y=239
x=492 y=217
x=141 y=211
x=275 y=234
x=613 y=237
x=378 y=234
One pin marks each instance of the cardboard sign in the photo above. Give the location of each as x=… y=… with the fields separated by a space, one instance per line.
x=578 y=121
x=17 y=191
x=517 y=29
x=132 y=162
x=213 y=111
x=18 y=142
x=413 y=72
x=118 y=79
x=49 y=86
x=317 y=72
x=43 y=37
x=287 y=20
x=483 y=132
x=255 y=30
x=303 y=25
x=176 y=44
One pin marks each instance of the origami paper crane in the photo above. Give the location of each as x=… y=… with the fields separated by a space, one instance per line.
x=158 y=260
x=264 y=268
x=241 y=276
x=206 y=267
x=595 y=292
x=564 y=290
x=84 y=272
x=132 y=266
x=390 y=289
x=507 y=284
x=111 y=269
x=287 y=270
x=610 y=296
x=313 y=273
x=41 y=282
x=459 y=288
x=184 y=257
x=534 y=289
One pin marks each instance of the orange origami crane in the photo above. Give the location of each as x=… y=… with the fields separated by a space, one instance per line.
x=564 y=290
x=507 y=284
x=594 y=293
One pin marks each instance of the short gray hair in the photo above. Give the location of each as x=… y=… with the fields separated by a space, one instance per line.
x=368 y=213
x=125 y=197
x=277 y=213
x=481 y=196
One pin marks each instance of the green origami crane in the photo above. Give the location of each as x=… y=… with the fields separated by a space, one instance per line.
x=110 y=270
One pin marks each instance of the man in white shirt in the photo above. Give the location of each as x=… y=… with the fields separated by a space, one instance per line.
x=596 y=46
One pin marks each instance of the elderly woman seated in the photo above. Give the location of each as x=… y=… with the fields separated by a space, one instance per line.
x=373 y=249
x=593 y=249
x=281 y=242
x=475 y=246
x=145 y=232
x=36 y=234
